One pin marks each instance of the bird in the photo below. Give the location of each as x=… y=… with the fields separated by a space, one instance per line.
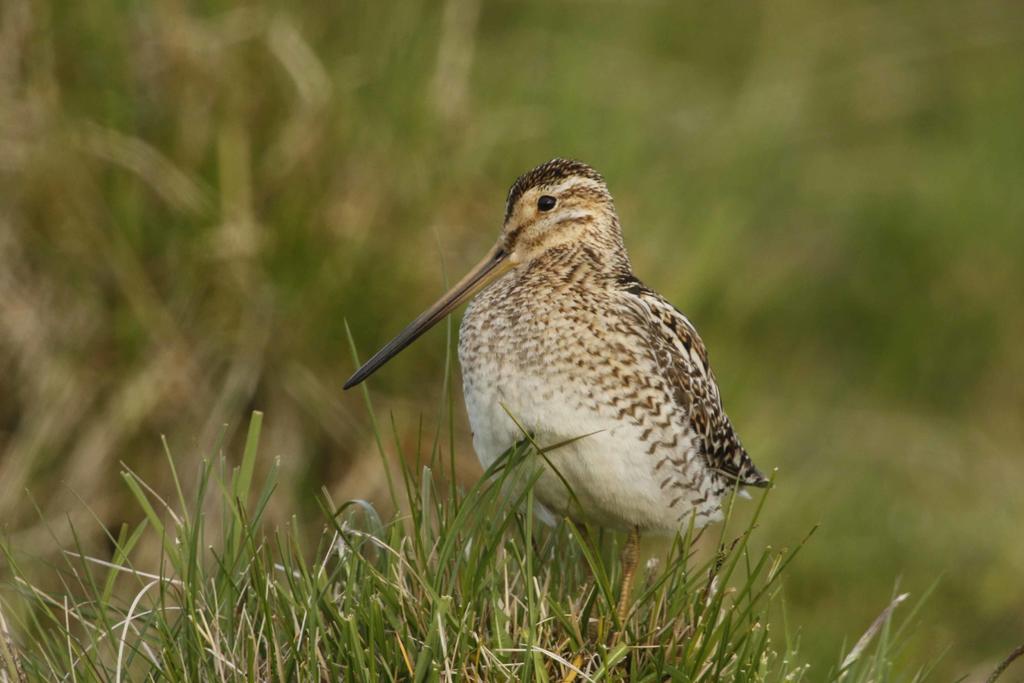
x=562 y=341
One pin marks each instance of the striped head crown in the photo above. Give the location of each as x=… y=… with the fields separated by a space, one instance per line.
x=547 y=174
x=564 y=205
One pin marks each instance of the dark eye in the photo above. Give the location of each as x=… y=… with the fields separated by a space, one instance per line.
x=546 y=202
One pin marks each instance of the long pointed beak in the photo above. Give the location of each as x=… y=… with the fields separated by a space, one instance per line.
x=493 y=266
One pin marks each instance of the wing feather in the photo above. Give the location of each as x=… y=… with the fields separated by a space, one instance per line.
x=683 y=359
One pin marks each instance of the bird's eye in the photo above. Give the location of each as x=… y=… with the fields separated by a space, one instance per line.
x=546 y=202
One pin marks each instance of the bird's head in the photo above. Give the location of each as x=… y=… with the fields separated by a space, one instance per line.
x=559 y=203
x=559 y=207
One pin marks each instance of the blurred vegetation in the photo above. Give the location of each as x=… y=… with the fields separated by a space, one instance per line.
x=193 y=201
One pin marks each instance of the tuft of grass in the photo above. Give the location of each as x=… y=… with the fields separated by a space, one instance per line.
x=462 y=585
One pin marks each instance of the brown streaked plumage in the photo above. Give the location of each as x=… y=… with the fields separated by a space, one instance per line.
x=565 y=338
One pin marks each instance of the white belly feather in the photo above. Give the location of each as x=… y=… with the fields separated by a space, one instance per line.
x=610 y=472
x=564 y=369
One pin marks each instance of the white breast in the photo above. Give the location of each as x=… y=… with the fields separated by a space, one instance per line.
x=618 y=479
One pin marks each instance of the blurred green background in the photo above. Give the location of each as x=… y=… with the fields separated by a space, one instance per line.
x=193 y=200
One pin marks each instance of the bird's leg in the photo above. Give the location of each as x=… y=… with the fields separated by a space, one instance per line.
x=630 y=557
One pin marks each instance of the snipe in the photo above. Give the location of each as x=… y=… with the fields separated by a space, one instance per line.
x=564 y=337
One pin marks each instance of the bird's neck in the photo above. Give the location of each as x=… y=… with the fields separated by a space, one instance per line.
x=583 y=259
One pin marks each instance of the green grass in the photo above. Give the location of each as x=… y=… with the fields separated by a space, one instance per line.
x=461 y=587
